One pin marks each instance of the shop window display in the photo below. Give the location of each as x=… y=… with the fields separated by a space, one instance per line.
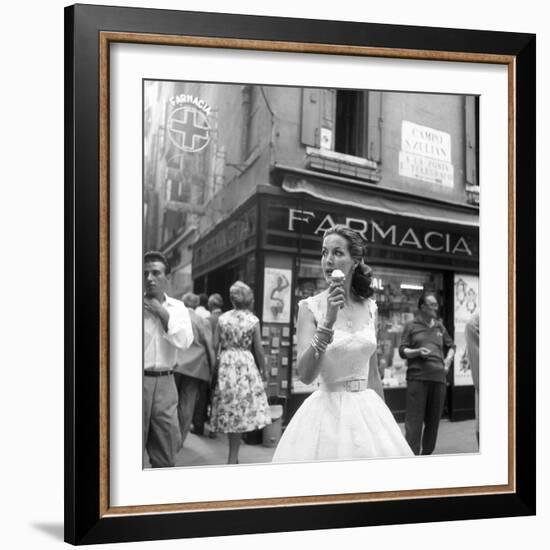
x=396 y=292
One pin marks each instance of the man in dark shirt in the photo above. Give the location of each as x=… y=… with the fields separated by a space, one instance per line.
x=429 y=351
x=200 y=415
x=194 y=366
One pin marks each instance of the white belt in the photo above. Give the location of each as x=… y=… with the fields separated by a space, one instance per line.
x=357 y=384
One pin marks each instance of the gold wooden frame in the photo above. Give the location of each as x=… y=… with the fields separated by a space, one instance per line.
x=105 y=40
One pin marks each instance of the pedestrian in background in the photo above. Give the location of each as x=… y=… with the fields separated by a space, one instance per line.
x=215 y=306
x=429 y=351
x=239 y=402
x=201 y=310
x=471 y=332
x=194 y=368
x=166 y=329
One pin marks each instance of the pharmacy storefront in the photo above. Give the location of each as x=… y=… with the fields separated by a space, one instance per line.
x=411 y=248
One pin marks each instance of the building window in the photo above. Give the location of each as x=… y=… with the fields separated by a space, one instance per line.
x=351 y=128
x=342 y=131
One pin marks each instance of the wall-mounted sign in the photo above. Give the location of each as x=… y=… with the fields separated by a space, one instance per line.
x=188 y=126
x=377 y=283
x=192 y=100
x=326 y=139
x=425 y=154
x=400 y=235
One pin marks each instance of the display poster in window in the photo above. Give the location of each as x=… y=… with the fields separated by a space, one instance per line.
x=277 y=295
x=466 y=289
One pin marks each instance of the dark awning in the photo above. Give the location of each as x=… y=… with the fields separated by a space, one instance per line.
x=369 y=200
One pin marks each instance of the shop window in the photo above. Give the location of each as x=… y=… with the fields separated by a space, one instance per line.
x=396 y=292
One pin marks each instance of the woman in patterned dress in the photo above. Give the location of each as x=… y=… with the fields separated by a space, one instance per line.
x=240 y=402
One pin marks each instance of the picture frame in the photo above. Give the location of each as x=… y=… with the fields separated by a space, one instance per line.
x=89 y=517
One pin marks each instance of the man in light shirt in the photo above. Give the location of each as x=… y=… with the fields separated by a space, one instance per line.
x=166 y=329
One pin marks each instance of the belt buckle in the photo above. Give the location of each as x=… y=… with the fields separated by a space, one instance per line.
x=353 y=385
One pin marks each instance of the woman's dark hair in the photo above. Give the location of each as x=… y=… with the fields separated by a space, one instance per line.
x=361 y=281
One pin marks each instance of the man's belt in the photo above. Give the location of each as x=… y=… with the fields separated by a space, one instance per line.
x=158 y=372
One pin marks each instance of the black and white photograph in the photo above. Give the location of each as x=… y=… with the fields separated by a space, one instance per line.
x=310 y=274
x=293 y=244
x=229 y=228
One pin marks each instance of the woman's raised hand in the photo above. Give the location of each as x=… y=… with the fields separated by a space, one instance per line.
x=335 y=301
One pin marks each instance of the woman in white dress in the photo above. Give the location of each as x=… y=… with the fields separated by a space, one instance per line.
x=336 y=339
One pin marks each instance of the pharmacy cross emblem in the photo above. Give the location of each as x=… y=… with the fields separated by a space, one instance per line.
x=188 y=129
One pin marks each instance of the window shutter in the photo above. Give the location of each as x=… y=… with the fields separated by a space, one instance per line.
x=374 y=117
x=318 y=110
x=470 y=152
x=328 y=113
x=311 y=116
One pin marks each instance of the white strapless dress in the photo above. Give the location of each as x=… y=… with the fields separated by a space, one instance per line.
x=334 y=424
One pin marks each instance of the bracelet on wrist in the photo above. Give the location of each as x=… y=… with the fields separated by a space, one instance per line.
x=324 y=338
x=325 y=324
x=318 y=346
x=325 y=334
x=316 y=351
x=321 y=344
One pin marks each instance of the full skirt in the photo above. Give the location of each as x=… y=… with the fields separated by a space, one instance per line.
x=341 y=425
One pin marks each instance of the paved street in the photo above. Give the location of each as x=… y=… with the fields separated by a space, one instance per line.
x=454 y=437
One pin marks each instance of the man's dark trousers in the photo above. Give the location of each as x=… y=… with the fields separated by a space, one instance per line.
x=425 y=401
